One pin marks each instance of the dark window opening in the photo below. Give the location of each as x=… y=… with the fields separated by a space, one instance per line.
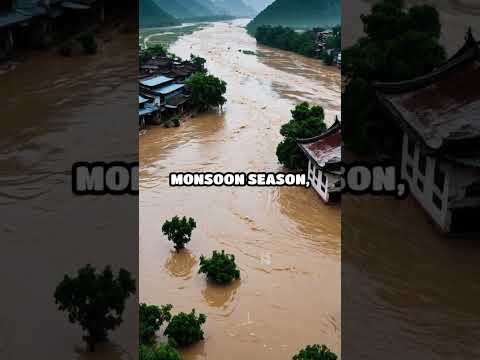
x=439 y=178
x=409 y=170
x=420 y=184
x=324 y=179
x=437 y=202
x=422 y=164
x=411 y=147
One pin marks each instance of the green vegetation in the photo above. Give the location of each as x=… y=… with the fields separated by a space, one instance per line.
x=400 y=43
x=151 y=15
x=159 y=352
x=179 y=231
x=94 y=300
x=220 y=268
x=207 y=91
x=315 y=352
x=166 y=35
x=199 y=63
x=185 y=329
x=307 y=121
x=298 y=14
x=151 y=318
x=287 y=39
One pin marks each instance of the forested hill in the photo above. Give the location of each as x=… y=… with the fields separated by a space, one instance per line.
x=299 y=14
x=235 y=7
x=151 y=15
x=174 y=8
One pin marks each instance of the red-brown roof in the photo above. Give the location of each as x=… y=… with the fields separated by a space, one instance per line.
x=441 y=107
x=325 y=148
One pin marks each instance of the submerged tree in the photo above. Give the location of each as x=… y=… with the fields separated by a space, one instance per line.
x=151 y=318
x=179 y=231
x=307 y=121
x=185 y=329
x=207 y=91
x=159 y=352
x=94 y=300
x=315 y=352
x=220 y=268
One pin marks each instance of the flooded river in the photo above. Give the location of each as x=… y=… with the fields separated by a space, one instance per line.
x=286 y=241
x=409 y=292
x=56 y=111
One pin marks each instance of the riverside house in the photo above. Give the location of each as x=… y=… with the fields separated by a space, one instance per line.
x=167 y=96
x=324 y=160
x=28 y=24
x=439 y=116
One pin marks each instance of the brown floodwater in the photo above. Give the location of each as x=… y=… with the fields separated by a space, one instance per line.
x=56 y=111
x=408 y=292
x=286 y=241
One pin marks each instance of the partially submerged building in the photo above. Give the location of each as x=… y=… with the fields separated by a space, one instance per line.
x=439 y=115
x=167 y=95
x=324 y=153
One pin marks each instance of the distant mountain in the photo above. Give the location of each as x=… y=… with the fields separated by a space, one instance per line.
x=299 y=14
x=151 y=15
x=199 y=8
x=258 y=5
x=235 y=7
x=174 y=8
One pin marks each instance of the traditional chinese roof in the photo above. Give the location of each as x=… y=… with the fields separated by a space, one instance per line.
x=325 y=149
x=442 y=108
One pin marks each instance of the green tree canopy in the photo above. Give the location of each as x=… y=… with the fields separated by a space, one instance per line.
x=400 y=44
x=159 y=352
x=94 y=300
x=220 y=268
x=179 y=231
x=207 y=90
x=151 y=318
x=185 y=329
x=307 y=121
x=315 y=352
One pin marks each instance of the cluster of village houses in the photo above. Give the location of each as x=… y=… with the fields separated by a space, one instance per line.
x=438 y=116
x=34 y=23
x=163 y=94
x=321 y=38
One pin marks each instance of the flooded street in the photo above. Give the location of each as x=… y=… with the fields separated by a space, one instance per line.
x=56 y=111
x=286 y=241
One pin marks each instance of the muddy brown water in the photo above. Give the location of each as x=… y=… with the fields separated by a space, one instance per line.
x=56 y=111
x=408 y=291
x=286 y=241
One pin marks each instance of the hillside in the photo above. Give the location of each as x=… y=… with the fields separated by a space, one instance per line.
x=235 y=7
x=258 y=5
x=299 y=14
x=174 y=8
x=198 y=8
x=151 y=15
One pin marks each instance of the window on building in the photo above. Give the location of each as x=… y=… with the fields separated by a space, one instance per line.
x=422 y=164
x=317 y=172
x=324 y=179
x=411 y=147
x=420 y=184
x=409 y=170
x=437 y=201
x=439 y=178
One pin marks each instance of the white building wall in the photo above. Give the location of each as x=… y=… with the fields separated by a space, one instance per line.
x=422 y=185
x=321 y=181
